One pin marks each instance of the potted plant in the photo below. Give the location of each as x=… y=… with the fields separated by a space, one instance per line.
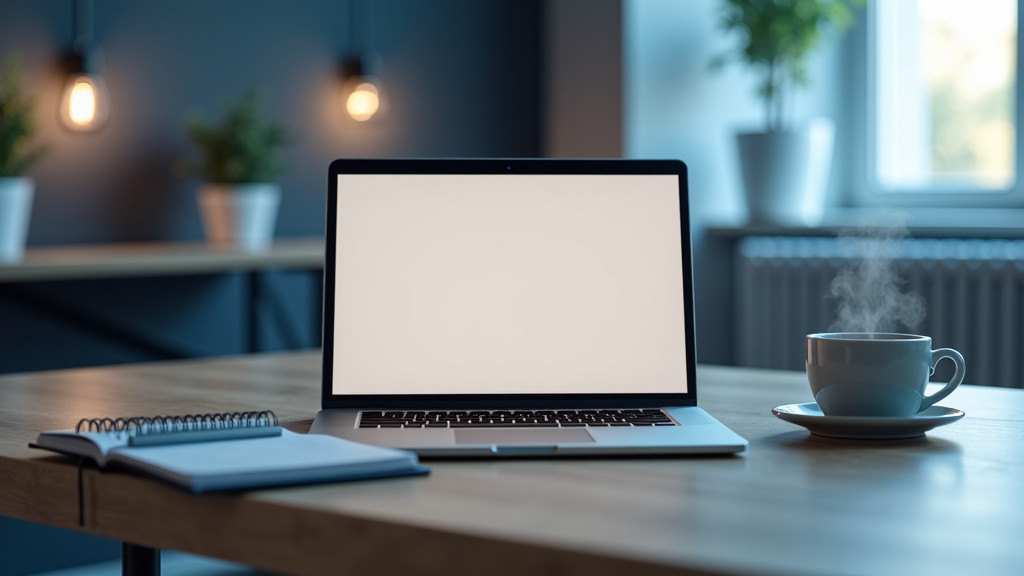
x=17 y=155
x=240 y=162
x=785 y=168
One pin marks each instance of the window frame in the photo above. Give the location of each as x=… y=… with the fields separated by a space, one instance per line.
x=873 y=193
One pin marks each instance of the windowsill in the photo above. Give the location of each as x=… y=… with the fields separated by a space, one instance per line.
x=920 y=222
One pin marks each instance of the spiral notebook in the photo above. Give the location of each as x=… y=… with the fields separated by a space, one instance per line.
x=226 y=451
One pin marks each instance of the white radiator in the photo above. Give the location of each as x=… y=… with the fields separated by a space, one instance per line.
x=973 y=292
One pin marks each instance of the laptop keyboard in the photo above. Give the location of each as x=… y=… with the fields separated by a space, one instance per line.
x=514 y=418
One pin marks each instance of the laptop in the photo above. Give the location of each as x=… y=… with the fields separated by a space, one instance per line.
x=493 y=307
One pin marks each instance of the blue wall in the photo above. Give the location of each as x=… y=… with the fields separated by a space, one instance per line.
x=464 y=80
x=463 y=77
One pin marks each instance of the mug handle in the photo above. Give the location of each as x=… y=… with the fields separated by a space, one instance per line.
x=958 y=376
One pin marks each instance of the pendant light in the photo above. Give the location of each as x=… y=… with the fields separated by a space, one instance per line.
x=85 y=104
x=363 y=96
x=362 y=91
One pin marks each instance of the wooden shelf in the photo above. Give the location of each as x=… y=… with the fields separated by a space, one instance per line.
x=156 y=259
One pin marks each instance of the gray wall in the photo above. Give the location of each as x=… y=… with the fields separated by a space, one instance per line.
x=582 y=109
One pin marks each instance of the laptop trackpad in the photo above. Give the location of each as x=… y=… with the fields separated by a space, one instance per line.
x=528 y=436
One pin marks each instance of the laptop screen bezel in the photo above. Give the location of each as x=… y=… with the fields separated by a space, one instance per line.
x=330 y=400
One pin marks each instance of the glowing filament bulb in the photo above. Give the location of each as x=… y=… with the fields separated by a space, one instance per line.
x=82 y=104
x=363 y=102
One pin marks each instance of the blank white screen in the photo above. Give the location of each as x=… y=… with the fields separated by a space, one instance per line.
x=508 y=284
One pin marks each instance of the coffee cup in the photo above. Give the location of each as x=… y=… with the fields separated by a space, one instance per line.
x=876 y=374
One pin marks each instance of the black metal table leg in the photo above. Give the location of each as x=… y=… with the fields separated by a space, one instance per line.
x=139 y=560
x=252 y=279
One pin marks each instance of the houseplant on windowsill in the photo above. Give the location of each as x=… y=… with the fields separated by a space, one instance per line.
x=17 y=155
x=785 y=168
x=240 y=163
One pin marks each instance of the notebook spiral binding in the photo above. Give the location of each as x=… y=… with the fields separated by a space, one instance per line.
x=141 y=425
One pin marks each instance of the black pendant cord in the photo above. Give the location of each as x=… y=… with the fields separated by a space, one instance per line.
x=361 y=35
x=83 y=24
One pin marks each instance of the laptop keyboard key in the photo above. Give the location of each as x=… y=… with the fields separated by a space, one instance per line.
x=514 y=418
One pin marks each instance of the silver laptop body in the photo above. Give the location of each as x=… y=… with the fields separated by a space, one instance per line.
x=495 y=307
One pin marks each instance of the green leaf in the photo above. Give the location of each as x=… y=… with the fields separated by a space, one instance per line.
x=776 y=37
x=17 y=124
x=244 y=148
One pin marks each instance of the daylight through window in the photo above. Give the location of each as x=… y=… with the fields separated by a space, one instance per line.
x=945 y=95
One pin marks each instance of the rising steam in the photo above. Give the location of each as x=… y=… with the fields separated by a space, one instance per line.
x=867 y=288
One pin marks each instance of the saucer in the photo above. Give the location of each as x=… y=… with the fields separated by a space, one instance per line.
x=865 y=427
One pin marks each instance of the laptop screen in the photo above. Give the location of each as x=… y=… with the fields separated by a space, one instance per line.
x=466 y=284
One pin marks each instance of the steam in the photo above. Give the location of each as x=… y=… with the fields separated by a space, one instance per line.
x=867 y=288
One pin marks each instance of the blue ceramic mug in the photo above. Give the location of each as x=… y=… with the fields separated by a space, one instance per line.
x=876 y=374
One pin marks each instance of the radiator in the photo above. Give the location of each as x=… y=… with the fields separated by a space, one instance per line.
x=973 y=291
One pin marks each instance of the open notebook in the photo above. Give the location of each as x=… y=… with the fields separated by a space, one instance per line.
x=229 y=452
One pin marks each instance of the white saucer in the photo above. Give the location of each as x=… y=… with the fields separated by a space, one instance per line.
x=866 y=428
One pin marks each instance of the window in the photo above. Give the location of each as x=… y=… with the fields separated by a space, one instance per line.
x=945 y=99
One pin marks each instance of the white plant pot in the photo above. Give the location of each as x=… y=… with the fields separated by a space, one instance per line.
x=786 y=174
x=15 y=211
x=239 y=216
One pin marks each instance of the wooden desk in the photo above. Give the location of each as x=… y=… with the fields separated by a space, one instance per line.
x=792 y=504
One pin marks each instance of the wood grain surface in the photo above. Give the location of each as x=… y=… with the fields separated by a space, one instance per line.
x=949 y=503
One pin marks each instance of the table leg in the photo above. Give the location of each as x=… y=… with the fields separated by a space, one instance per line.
x=253 y=279
x=139 y=560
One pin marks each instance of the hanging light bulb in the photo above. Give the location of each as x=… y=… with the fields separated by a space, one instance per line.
x=364 y=98
x=364 y=101
x=84 y=104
